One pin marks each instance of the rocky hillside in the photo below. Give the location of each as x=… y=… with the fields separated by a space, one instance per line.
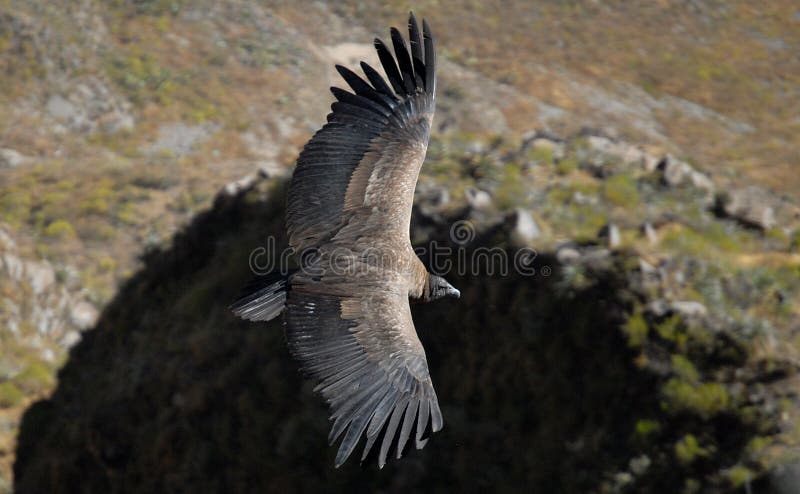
x=644 y=152
x=632 y=359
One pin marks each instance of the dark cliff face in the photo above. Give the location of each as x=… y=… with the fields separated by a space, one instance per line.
x=170 y=393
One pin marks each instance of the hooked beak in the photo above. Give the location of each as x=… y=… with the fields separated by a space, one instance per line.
x=452 y=291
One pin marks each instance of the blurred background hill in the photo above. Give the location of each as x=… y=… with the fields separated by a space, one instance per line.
x=646 y=151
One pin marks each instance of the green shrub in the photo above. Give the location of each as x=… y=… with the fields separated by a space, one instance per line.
x=126 y=214
x=718 y=235
x=158 y=177
x=35 y=378
x=94 y=205
x=567 y=165
x=739 y=475
x=688 y=449
x=701 y=244
x=794 y=242
x=647 y=427
x=511 y=190
x=142 y=77
x=684 y=368
x=636 y=330
x=541 y=155
x=777 y=234
x=60 y=229
x=10 y=395
x=620 y=190
x=15 y=204
x=107 y=264
x=706 y=400
x=98 y=230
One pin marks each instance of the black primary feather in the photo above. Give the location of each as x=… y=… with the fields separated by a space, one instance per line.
x=389 y=66
x=377 y=81
x=417 y=56
x=360 y=86
x=414 y=38
x=430 y=58
x=403 y=60
x=360 y=101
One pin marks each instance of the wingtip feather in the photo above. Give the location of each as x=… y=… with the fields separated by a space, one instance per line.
x=403 y=60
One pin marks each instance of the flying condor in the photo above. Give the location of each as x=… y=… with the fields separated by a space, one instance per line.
x=346 y=310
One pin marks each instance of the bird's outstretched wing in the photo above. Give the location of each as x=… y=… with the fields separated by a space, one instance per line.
x=370 y=365
x=352 y=189
x=357 y=175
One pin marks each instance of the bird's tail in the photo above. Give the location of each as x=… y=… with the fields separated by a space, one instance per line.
x=264 y=297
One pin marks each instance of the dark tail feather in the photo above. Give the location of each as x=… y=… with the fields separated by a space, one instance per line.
x=264 y=297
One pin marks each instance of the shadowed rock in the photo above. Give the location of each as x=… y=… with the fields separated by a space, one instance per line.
x=171 y=393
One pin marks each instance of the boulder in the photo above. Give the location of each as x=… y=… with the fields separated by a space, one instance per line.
x=91 y=105
x=523 y=227
x=610 y=232
x=10 y=158
x=235 y=188
x=41 y=276
x=543 y=140
x=83 y=315
x=689 y=308
x=61 y=108
x=649 y=232
x=627 y=154
x=6 y=242
x=478 y=199
x=685 y=308
x=751 y=206
x=675 y=172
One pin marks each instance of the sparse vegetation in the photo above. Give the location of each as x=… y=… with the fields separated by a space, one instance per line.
x=706 y=399
x=636 y=329
x=10 y=395
x=688 y=450
x=34 y=379
x=567 y=165
x=620 y=190
x=60 y=229
x=94 y=191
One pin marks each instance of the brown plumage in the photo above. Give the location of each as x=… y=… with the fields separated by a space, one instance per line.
x=347 y=316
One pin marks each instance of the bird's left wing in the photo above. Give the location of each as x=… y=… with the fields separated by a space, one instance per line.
x=359 y=171
x=371 y=367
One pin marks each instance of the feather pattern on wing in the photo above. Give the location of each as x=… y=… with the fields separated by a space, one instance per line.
x=350 y=199
x=377 y=123
x=369 y=364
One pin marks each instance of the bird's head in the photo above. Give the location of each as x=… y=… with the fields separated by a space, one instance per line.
x=438 y=287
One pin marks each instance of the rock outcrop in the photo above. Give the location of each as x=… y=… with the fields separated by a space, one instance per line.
x=753 y=206
x=585 y=356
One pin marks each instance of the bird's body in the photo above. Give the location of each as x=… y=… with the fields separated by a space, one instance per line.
x=346 y=310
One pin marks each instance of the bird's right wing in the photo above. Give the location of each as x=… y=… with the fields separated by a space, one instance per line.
x=365 y=161
x=370 y=365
